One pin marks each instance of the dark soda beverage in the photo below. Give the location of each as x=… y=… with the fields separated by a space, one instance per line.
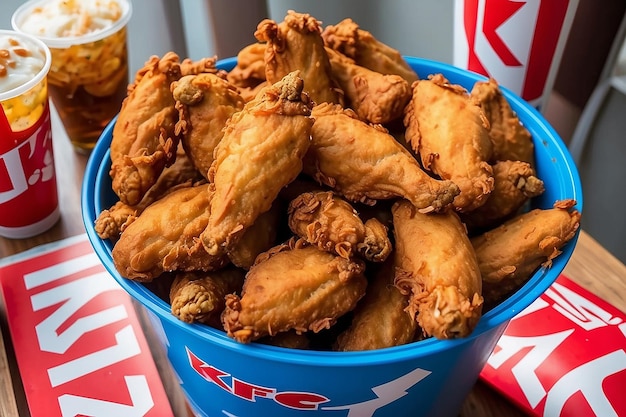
x=87 y=85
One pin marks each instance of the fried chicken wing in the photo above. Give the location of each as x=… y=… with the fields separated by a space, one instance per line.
x=158 y=241
x=112 y=221
x=143 y=141
x=380 y=319
x=296 y=44
x=199 y=296
x=365 y=163
x=349 y=39
x=261 y=152
x=249 y=71
x=511 y=140
x=375 y=97
x=293 y=287
x=258 y=238
x=449 y=132
x=328 y=221
x=205 y=102
x=509 y=254
x=437 y=267
x=515 y=183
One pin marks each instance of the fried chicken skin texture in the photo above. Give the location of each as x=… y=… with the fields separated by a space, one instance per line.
x=375 y=97
x=111 y=222
x=449 y=131
x=205 y=102
x=293 y=287
x=258 y=238
x=515 y=182
x=380 y=319
x=199 y=296
x=364 y=163
x=509 y=254
x=165 y=237
x=296 y=44
x=143 y=141
x=349 y=39
x=261 y=152
x=249 y=72
x=332 y=224
x=511 y=140
x=436 y=265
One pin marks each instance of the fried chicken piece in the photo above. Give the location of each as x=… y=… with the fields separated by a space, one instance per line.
x=289 y=339
x=328 y=221
x=380 y=319
x=199 y=296
x=509 y=254
x=143 y=141
x=296 y=44
x=205 y=102
x=515 y=183
x=261 y=152
x=349 y=39
x=375 y=97
x=249 y=71
x=437 y=267
x=449 y=131
x=203 y=65
x=112 y=221
x=511 y=140
x=365 y=163
x=257 y=238
x=293 y=287
x=158 y=241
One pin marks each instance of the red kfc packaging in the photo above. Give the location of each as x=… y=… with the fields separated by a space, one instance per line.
x=563 y=356
x=78 y=341
x=518 y=43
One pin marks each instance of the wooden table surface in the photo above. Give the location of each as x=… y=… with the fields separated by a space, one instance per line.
x=591 y=266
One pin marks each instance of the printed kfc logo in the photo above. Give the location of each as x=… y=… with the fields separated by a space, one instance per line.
x=66 y=311
x=492 y=40
x=565 y=355
x=383 y=394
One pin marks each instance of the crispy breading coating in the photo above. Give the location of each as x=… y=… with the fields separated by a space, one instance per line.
x=509 y=254
x=349 y=39
x=112 y=221
x=204 y=102
x=332 y=224
x=249 y=71
x=296 y=44
x=165 y=237
x=365 y=163
x=375 y=97
x=293 y=287
x=511 y=140
x=380 y=319
x=260 y=153
x=257 y=238
x=199 y=296
x=436 y=265
x=515 y=182
x=449 y=132
x=143 y=141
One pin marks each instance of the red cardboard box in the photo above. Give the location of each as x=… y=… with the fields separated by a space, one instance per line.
x=78 y=341
x=564 y=355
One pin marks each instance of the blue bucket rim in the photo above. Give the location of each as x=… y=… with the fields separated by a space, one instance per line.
x=98 y=166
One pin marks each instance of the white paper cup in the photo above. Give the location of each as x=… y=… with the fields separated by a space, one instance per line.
x=519 y=45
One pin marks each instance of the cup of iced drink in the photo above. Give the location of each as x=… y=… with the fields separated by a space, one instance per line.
x=28 y=190
x=89 y=72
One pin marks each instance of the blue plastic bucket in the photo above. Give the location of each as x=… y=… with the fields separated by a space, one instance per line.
x=428 y=378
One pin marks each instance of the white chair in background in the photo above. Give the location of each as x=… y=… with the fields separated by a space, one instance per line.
x=598 y=147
